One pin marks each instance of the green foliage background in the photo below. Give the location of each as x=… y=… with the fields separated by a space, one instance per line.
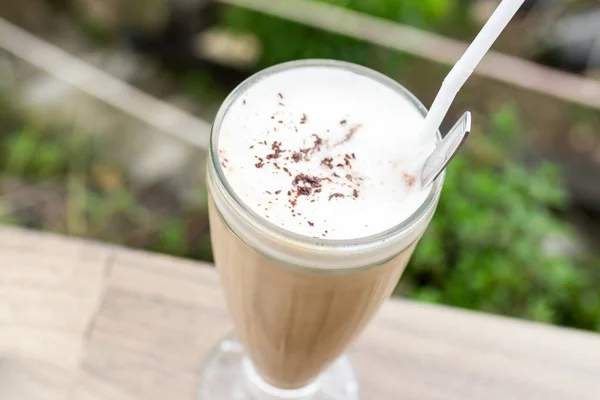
x=284 y=40
x=484 y=249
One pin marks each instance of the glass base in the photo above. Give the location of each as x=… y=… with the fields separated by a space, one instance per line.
x=229 y=375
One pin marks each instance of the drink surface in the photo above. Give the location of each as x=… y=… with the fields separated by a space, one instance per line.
x=325 y=152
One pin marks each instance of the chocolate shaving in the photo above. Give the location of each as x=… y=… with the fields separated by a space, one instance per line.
x=309 y=183
x=310 y=223
x=287 y=171
x=303 y=119
x=349 y=177
x=259 y=164
x=343 y=122
x=355 y=193
x=334 y=195
x=318 y=142
x=280 y=96
x=326 y=162
x=277 y=191
x=296 y=157
x=304 y=191
x=276 y=147
x=313 y=181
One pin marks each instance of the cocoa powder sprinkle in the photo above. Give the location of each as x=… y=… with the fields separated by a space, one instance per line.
x=409 y=179
x=350 y=133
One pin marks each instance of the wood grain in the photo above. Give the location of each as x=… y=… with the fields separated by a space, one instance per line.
x=84 y=321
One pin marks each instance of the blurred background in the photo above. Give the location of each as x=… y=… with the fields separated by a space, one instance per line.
x=105 y=109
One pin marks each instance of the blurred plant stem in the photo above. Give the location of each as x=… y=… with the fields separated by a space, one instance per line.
x=76 y=185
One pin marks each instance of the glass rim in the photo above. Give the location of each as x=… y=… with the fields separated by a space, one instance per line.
x=274 y=230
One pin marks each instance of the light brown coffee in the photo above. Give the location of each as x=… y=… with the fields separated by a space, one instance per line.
x=294 y=322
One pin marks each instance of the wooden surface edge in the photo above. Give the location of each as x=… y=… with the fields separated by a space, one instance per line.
x=82 y=320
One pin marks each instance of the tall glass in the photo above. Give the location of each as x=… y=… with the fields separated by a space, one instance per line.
x=297 y=302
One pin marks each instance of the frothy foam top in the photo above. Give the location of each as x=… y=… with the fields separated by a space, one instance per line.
x=325 y=152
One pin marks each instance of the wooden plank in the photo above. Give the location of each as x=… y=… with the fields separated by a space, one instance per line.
x=26 y=380
x=159 y=317
x=162 y=316
x=50 y=287
x=501 y=67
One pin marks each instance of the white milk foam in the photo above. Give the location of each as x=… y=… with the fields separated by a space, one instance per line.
x=325 y=152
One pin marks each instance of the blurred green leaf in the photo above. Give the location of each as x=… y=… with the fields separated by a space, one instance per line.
x=173 y=237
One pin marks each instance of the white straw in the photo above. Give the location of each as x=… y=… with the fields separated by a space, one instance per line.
x=459 y=74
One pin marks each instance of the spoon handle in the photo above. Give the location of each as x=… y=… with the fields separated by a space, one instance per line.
x=445 y=150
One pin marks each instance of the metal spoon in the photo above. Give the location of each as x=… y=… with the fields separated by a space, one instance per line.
x=445 y=150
